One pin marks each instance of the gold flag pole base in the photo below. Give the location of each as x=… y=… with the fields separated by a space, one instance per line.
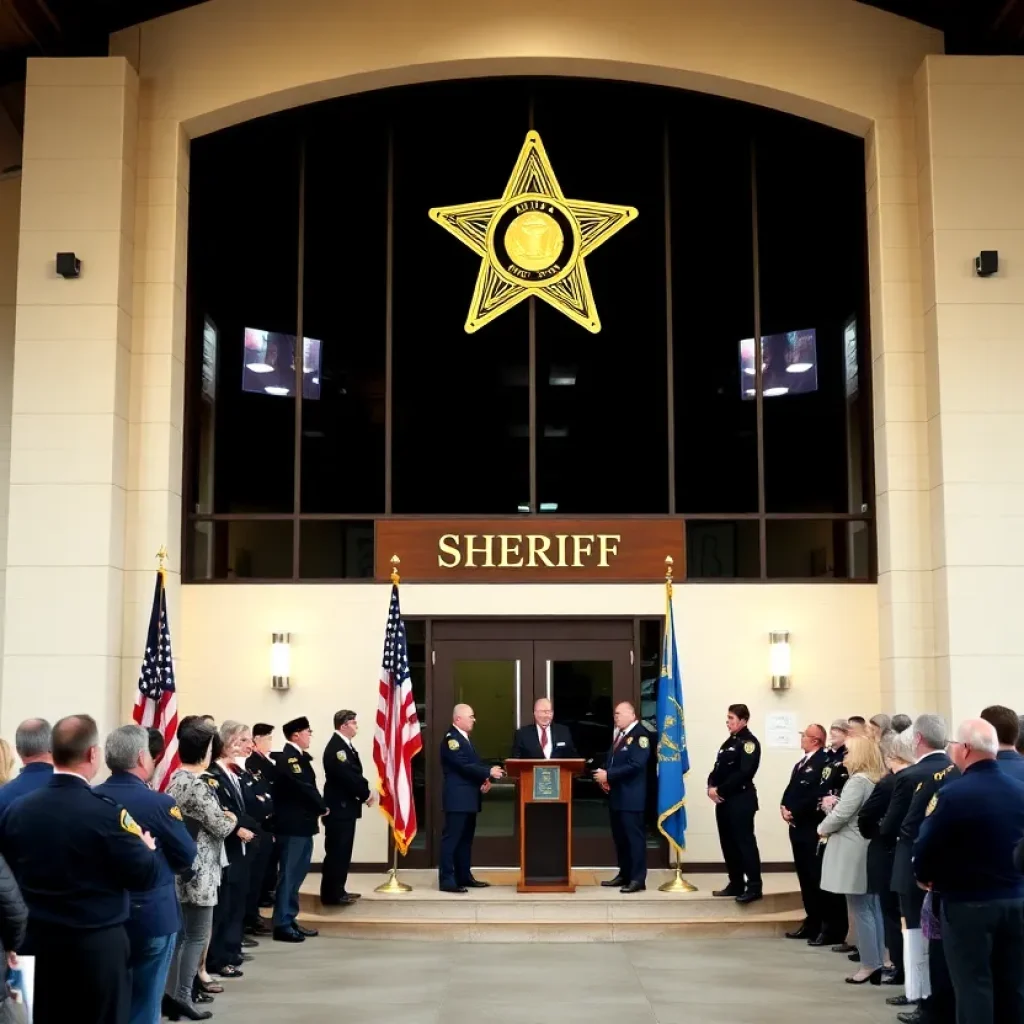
x=393 y=886
x=678 y=883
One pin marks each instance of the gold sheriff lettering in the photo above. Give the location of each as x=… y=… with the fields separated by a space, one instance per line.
x=529 y=550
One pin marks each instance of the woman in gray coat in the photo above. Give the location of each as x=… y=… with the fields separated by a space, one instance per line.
x=844 y=868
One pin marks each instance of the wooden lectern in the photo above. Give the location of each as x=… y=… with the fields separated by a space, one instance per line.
x=545 y=822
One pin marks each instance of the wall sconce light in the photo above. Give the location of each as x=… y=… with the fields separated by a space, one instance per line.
x=778 y=646
x=281 y=660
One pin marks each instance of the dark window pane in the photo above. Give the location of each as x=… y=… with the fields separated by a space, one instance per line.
x=344 y=308
x=335 y=549
x=811 y=232
x=461 y=401
x=243 y=274
x=602 y=443
x=813 y=549
x=713 y=307
x=257 y=549
x=416 y=639
x=722 y=550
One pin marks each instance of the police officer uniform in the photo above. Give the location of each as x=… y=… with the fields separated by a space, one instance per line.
x=345 y=792
x=461 y=799
x=626 y=768
x=154 y=916
x=76 y=854
x=835 y=921
x=801 y=800
x=733 y=776
x=258 y=790
x=969 y=850
x=298 y=808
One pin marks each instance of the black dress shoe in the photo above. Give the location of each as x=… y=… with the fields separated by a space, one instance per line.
x=844 y=947
x=227 y=971
x=340 y=901
x=900 y=1000
x=172 y=1009
x=353 y=895
x=750 y=896
x=874 y=978
x=819 y=940
x=453 y=888
x=729 y=890
x=475 y=883
x=894 y=978
x=288 y=935
x=913 y=1017
x=803 y=932
x=618 y=880
x=633 y=887
x=248 y=943
x=308 y=933
x=202 y=997
x=260 y=928
x=854 y=957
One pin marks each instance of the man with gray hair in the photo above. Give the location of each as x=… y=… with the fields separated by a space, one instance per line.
x=965 y=853
x=34 y=745
x=154 y=916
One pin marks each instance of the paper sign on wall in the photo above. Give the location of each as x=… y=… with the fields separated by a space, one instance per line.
x=781 y=731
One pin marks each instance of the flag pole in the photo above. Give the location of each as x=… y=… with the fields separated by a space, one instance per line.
x=392 y=886
x=677 y=883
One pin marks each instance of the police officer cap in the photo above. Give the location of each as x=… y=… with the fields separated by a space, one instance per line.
x=295 y=725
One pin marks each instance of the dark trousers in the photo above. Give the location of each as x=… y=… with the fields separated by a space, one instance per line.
x=735 y=818
x=339 y=835
x=940 y=1006
x=81 y=976
x=985 y=953
x=454 y=867
x=910 y=907
x=261 y=852
x=294 y=856
x=228 y=916
x=835 y=915
x=630 y=844
x=804 y=841
x=893 y=929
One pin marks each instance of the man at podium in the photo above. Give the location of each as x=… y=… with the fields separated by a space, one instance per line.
x=545 y=738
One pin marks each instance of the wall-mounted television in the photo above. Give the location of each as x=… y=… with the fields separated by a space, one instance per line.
x=268 y=364
x=789 y=364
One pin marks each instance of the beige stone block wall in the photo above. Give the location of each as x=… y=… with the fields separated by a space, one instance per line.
x=970 y=162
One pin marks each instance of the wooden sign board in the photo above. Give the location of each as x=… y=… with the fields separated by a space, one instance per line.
x=534 y=549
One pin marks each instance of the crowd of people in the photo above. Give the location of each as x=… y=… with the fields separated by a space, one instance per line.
x=137 y=904
x=909 y=848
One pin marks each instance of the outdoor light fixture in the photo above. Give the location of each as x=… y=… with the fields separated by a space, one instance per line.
x=281 y=660
x=778 y=646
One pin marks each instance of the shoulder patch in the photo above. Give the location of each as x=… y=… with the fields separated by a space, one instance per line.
x=826 y=771
x=342 y=756
x=213 y=783
x=175 y=811
x=749 y=748
x=129 y=824
x=932 y=804
x=293 y=760
x=297 y=768
x=453 y=744
x=644 y=742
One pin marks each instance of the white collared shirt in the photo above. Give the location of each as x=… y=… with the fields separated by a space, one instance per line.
x=931 y=753
x=465 y=735
x=298 y=750
x=546 y=748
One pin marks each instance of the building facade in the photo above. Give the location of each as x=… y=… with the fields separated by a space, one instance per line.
x=246 y=173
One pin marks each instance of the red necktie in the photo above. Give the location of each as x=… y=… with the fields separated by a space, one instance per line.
x=543 y=739
x=618 y=741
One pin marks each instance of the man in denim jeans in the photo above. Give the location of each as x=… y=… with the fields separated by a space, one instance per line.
x=154 y=916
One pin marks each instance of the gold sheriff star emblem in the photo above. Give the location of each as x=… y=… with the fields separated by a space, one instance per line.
x=533 y=241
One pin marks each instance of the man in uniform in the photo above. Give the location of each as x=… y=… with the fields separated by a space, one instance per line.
x=731 y=789
x=466 y=777
x=346 y=791
x=154 y=918
x=799 y=809
x=258 y=787
x=625 y=778
x=545 y=738
x=298 y=807
x=76 y=854
x=32 y=742
x=835 y=920
x=965 y=854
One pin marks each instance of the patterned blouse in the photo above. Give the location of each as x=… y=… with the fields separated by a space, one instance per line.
x=197 y=799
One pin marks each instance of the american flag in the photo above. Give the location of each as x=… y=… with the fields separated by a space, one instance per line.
x=156 y=706
x=396 y=740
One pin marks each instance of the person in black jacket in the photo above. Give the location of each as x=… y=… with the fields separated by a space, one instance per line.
x=13 y=922
x=544 y=738
x=346 y=792
x=799 y=809
x=258 y=788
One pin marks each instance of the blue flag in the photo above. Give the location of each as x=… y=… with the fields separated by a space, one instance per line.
x=673 y=757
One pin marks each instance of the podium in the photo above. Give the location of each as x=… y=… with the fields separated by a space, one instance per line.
x=545 y=822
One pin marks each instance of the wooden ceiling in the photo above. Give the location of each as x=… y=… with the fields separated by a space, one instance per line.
x=30 y=28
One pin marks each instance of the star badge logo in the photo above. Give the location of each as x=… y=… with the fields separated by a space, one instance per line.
x=533 y=241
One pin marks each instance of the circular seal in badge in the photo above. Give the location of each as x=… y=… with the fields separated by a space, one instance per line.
x=749 y=748
x=533 y=241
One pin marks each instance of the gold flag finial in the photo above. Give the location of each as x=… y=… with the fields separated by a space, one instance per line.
x=161 y=557
x=395 y=563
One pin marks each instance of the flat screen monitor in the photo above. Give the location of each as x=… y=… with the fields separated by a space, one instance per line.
x=268 y=364
x=789 y=364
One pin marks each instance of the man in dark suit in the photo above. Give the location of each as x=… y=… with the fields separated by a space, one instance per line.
x=154 y=917
x=625 y=778
x=263 y=876
x=799 y=809
x=76 y=854
x=544 y=739
x=346 y=792
x=466 y=778
x=298 y=808
x=835 y=921
x=1007 y=727
x=965 y=854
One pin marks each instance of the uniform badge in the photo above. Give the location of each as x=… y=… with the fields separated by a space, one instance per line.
x=453 y=744
x=129 y=824
x=932 y=804
x=175 y=812
x=629 y=741
x=297 y=768
x=293 y=760
x=826 y=772
x=749 y=748
x=644 y=742
x=212 y=783
x=342 y=756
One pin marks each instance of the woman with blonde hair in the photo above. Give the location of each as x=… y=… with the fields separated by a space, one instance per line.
x=844 y=868
x=6 y=762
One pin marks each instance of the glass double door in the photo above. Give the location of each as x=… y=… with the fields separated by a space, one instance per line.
x=501 y=680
